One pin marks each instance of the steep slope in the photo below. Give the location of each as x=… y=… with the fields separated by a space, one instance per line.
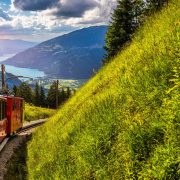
x=14 y=46
x=71 y=56
x=124 y=123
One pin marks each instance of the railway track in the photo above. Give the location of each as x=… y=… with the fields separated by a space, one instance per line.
x=26 y=127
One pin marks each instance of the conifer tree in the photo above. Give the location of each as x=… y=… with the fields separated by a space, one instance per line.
x=42 y=97
x=124 y=21
x=62 y=97
x=25 y=92
x=37 y=95
x=51 y=99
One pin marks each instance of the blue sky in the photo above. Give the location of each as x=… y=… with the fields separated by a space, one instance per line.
x=39 y=20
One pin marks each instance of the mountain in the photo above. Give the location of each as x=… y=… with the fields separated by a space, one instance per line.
x=14 y=46
x=124 y=123
x=72 y=56
x=11 y=80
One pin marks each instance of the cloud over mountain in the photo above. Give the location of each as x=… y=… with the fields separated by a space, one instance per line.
x=74 y=8
x=62 y=8
x=45 y=19
x=34 y=5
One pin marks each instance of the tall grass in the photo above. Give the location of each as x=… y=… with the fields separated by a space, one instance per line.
x=124 y=123
x=35 y=113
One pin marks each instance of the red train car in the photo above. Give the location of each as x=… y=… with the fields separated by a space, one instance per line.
x=12 y=115
x=3 y=118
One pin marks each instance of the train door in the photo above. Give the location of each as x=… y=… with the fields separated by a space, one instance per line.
x=3 y=119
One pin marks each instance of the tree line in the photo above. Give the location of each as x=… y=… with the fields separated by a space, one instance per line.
x=38 y=97
x=125 y=20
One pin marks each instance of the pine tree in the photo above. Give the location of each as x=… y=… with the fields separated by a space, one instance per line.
x=124 y=22
x=62 y=96
x=51 y=99
x=42 y=97
x=25 y=92
x=37 y=95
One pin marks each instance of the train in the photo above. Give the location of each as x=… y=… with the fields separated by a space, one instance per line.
x=11 y=115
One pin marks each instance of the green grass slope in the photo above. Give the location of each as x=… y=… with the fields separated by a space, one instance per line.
x=125 y=122
x=34 y=113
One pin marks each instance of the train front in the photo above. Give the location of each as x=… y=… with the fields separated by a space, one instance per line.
x=11 y=115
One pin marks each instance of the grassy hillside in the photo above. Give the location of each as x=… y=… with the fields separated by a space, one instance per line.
x=35 y=113
x=124 y=123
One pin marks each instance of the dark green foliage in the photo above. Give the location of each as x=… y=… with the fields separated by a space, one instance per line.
x=63 y=95
x=124 y=21
x=68 y=92
x=126 y=18
x=42 y=97
x=25 y=92
x=155 y=5
x=37 y=95
x=51 y=98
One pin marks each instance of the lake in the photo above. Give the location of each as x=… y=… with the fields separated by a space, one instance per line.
x=32 y=73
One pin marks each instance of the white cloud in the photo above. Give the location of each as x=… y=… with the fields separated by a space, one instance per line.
x=47 y=21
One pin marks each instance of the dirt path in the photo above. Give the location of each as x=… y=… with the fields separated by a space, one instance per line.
x=8 y=151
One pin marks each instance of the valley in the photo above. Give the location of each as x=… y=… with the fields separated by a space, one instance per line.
x=46 y=82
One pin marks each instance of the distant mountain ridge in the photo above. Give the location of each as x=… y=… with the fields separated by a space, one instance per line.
x=8 y=46
x=71 y=56
x=11 y=80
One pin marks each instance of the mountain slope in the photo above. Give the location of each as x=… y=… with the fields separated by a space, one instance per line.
x=14 y=46
x=124 y=123
x=71 y=56
x=11 y=80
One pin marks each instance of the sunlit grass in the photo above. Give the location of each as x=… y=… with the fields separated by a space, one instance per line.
x=35 y=113
x=123 y=123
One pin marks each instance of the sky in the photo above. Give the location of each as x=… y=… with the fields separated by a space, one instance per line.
x=40 y=20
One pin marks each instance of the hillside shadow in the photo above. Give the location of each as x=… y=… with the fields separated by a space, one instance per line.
x=17 y=167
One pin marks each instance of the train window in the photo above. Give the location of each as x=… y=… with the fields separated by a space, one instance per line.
x=3 y=110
